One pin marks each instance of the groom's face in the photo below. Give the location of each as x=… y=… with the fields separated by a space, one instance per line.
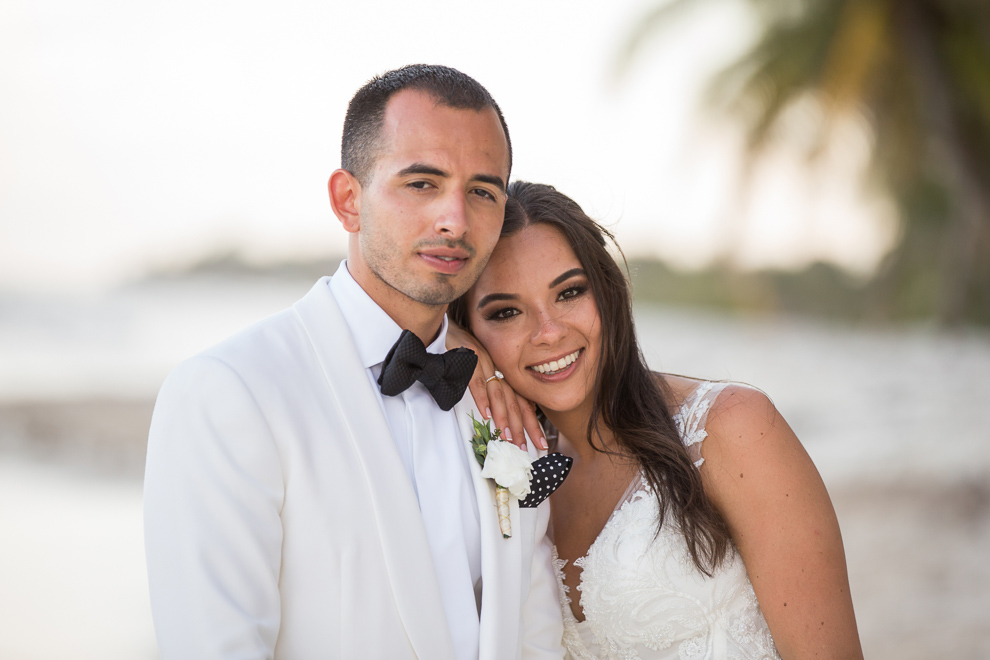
x=432 y=207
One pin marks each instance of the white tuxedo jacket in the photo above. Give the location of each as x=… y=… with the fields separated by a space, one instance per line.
x=280 y=522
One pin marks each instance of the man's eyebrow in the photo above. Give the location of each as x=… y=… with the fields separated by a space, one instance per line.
x=566 y=276
x=423 y=168
x=491 y=180
x=492 y=297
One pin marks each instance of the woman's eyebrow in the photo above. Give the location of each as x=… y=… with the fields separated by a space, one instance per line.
x=566 y=276
x=492 y=297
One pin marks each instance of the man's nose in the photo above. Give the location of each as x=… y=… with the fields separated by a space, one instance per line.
x=451 y=220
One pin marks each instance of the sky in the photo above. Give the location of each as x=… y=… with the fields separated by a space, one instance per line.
x=137 y=136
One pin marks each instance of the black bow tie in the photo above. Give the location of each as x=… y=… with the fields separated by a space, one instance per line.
x=445 y=375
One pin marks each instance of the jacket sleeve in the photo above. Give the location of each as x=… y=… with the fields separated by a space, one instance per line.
x=541 y=622
x=213 y=493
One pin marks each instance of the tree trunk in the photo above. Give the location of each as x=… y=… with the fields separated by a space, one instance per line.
x=971 y=202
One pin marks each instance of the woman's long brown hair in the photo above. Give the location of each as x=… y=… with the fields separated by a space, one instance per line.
x=630 y=400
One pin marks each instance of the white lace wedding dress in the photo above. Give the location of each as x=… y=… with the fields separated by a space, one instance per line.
x=644 y=598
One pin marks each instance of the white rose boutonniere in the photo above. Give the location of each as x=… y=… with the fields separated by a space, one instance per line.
x=507 y=465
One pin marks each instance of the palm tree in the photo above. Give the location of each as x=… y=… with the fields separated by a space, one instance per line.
x=919 y=72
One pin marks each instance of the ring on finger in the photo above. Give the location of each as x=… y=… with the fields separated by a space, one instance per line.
x=498 y=376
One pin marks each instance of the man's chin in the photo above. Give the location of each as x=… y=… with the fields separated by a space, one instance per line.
x=436 y=296
x=446 y=290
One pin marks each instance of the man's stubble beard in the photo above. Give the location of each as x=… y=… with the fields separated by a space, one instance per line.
x=382 y=260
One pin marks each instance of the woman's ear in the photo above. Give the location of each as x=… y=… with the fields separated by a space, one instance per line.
x=345 y=199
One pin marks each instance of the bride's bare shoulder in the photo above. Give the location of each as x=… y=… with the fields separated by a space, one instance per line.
x=744 y=412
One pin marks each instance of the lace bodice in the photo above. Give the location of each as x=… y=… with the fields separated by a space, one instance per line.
x=643 y=598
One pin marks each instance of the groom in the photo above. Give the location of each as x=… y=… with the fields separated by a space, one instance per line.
x=293 y=509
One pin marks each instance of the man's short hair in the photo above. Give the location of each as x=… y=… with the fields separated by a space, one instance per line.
x=361 y=142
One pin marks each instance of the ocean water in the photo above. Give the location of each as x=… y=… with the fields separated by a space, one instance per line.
x=883 y=402
x=124 y=342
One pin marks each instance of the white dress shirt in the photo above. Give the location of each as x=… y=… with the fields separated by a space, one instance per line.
x=429 y=444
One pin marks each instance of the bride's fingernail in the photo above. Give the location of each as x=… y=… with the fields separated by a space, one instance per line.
x=488 y=413
x=543 y=443
x=508 y=434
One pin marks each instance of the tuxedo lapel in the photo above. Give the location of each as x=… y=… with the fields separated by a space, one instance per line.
x=398 y=519
x=500 y=557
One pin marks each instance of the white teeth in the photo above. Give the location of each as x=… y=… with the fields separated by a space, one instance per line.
x=554 y=366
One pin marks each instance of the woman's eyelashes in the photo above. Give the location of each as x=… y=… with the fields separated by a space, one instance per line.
x=566 y=294
x=573 y=291
x=501 y=314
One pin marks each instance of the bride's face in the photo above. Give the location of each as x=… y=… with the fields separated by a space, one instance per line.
x=534 y=311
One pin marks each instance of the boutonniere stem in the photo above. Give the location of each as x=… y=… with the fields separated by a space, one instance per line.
x=506 y=464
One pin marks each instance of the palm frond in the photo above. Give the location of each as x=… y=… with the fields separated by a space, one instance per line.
x=648 y=26
x=782 y=68
x=917 y=70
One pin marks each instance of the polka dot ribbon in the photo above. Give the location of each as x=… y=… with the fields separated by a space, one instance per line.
x=548 y=474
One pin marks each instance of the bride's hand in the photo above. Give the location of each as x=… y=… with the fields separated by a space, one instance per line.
x=496 y=399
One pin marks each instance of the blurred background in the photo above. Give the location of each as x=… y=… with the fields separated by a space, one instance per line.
x=802 y=189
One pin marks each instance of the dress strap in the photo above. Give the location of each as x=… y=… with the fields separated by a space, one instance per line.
x=693 y=415
x=636 y=486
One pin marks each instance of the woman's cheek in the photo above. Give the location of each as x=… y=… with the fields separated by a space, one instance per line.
x=491 y=341
x=505 y=351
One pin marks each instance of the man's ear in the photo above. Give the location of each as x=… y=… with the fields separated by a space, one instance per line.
x=345 y=199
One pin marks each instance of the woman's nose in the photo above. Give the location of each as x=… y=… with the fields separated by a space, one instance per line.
x=549 y=328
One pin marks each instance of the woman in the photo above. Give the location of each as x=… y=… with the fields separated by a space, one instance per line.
x=692 y=524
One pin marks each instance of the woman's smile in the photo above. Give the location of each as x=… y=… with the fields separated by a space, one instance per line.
x=560 y=367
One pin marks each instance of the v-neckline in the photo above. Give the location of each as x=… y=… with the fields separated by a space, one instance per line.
x=635 y=485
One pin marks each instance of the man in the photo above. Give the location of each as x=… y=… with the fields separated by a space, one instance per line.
x=294 y=508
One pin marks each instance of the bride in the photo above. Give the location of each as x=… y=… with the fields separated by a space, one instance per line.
x=692 y=524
